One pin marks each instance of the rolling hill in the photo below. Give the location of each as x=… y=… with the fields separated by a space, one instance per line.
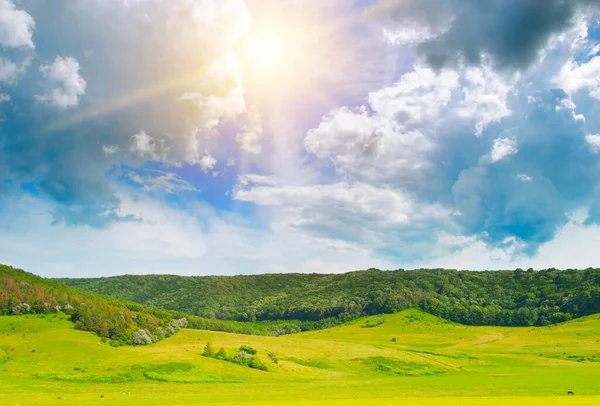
x=115 y=319
x=503 y=298
x=409 y=357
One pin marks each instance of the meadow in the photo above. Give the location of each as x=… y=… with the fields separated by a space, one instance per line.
x=410 y=358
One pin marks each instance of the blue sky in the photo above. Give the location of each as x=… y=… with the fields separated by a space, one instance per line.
x=227 y=136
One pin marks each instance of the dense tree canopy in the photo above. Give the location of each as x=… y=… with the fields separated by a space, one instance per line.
x=121 y=321
x=508 y=298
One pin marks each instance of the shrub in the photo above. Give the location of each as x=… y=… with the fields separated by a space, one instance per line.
x=248 y=349
x=176 y=324
x=274 y=357
x=22 y=308
x=371 y=324
x=160 y=333
x=243 y=355
x=142 y=337
x=221 y=354
x=256 y=364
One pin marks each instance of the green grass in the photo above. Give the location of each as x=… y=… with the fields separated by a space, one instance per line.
x=43 y=360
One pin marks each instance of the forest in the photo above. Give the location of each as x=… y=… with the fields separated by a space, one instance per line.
x=122 y=322
x=502 y=298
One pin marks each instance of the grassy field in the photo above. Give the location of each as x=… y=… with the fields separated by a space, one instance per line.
x=410 y=358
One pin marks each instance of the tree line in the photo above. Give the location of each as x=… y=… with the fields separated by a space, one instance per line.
x=120 y=321
x=505 y=298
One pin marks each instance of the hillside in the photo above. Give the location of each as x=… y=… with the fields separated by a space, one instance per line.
x=408 y=358
x=503 y=298
x=118 y=320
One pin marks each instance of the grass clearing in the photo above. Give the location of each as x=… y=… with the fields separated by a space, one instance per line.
x=43 y=360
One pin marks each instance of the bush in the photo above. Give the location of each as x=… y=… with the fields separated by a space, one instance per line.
x=22 y=308
x=221 y=354
x=176 y=325
x=371 y=324
x=256 y=364
x=243 y=356
x=142 y=337
x=248 y=349
x=273 y=357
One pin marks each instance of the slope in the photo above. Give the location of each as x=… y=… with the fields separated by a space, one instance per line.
x=504 y=298
x=432 y=361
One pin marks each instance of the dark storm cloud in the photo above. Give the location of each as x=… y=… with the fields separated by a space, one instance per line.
x=511 y=32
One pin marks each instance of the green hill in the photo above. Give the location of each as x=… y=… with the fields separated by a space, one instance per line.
x=502 y=298
x=121 y=321
x=406 y=358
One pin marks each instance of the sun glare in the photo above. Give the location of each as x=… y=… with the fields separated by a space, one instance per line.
x=265 y=52
x=287 y=54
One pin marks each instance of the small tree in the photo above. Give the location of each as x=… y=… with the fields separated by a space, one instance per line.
x=209 y=350
x=221 y=354
x=141 y=337
x=274 y=357
x=243 y=355
x=248 y=349
x=22 y=308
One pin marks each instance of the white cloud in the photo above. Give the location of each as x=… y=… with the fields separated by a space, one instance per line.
x=10 y=72
x=573 y=247
x=4 y=98
x=249 y=137
x=594 y=141
x=16 y=26
x=109 y=150
x=485 y=97
x=389 y=139
x=574 y=77
x=146 y=146
x=524 y=177
x=195 y=241
x=357 y=213
x=503 y=148
x=167 y=182
x=207 y=162
x=65 y=85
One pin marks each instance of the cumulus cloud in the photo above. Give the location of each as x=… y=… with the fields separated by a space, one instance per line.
x=467 y=32
x=575 y=76
x=65 y=85
x=249 y=137
x=486 y=95
x=207 y=162
x=109 y=150
x=391 y=137
x=165 y=239
x=375 y=218
x=148 y=147
x=16 y=26
x=395 y=138
x=10 y=72
x=434 y=134
x=129 y=85
x=594 y=141
x=503 y=147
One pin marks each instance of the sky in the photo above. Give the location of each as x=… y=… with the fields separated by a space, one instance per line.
x=199 y=137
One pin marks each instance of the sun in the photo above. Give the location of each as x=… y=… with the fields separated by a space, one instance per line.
x=265 y=52
x=291 y=52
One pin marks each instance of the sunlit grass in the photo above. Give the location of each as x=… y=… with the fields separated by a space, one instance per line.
x=411 y=356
